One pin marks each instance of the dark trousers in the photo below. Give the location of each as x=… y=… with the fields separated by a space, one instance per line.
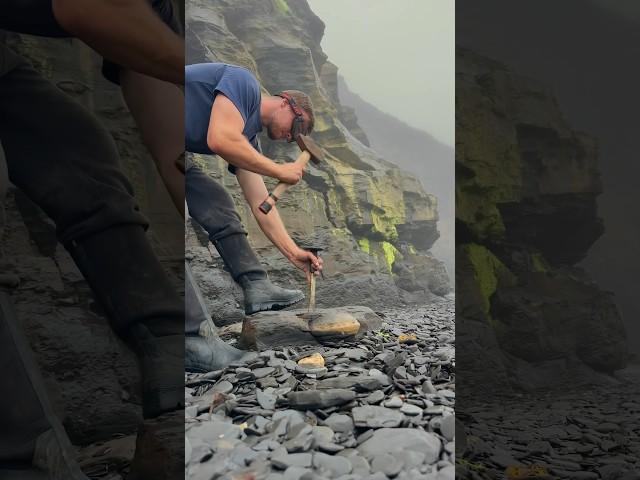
x=211 y=206
x=60 y=155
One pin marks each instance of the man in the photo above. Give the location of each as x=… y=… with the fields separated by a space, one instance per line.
x=65 y=160
x=140 y=54
x=225 y=112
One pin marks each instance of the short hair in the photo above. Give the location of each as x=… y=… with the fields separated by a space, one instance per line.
x=304 y=102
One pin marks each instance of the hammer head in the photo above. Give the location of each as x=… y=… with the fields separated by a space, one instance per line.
x=306 y=143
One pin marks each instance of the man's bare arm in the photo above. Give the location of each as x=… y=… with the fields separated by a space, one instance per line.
x=158 y=109
x=127 y=32
x=255 y=191
x=225 y=137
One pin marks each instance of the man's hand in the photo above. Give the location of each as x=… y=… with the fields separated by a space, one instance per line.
x=290 y=173
x=301 y=258
x=271 y=225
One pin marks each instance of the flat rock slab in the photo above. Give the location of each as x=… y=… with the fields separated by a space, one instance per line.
x=266 y=330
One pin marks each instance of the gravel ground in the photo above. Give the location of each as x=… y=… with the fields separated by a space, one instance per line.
x=378 y=408
x=575 y=433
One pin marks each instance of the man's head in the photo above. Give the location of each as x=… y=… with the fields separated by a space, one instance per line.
x=293 y=116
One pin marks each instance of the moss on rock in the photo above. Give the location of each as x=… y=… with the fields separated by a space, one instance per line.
x=488 y=270
x=282 y=6
x=364 y=245
x=390 y=254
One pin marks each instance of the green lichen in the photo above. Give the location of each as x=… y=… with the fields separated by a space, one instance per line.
x=538 y=263
x=390 y=253
x=487 y=270
x=282 y=6
x=478 y=467
x=364 y=244
x=384 y=226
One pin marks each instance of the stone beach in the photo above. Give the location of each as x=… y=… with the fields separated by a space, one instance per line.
x=377 y=409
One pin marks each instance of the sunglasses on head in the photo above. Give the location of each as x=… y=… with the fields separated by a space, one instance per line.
x=297 y=127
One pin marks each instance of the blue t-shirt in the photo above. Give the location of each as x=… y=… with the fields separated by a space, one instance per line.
x=202 y=83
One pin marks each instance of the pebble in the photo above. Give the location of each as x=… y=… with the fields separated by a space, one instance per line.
x=394 y=402
x=411 y=410
x=335 y=466
x=266 y=400
x=313 y=399
x=375 y=397
x=448 y=429
x=339 y=422
x=376 y=417
x=316 y=360
x=388 y=464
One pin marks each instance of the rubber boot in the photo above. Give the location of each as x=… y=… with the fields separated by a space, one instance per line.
x=205 y=351
x=259 y=293
x=142 y=306
x=33 y=442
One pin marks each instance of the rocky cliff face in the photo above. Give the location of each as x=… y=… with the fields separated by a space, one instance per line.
x=374 y=221
x=415 y=151
x=526 y=188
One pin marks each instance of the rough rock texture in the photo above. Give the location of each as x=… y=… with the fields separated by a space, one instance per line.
x=360 y=208
x=559 y=433
x=92 y=376
x=526 y=188
x=297 y=327
x=417 y=152
x=376 y=408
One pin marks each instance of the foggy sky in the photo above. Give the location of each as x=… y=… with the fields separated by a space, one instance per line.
x=398 y=56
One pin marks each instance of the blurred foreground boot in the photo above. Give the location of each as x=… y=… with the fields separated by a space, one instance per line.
x=259 y=293
x=205 y=351
x=142 y=306
x=33 y=442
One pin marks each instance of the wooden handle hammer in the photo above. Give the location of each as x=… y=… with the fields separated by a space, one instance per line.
x=310 y=151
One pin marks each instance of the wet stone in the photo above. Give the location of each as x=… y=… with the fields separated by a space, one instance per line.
x=390 y=465
x=268 y=382
x=222 y=387
x=360 y=383
x=394 y=402
x=332 y=464
x=312 y=399
x=375 y=398
x=292 y=460
x=266 y=400
x=310 y=370
x=411 y=410
x=322 y=434
x=263 y=372
x=296 y=473
x=290 y=364
x=299 y=438
x=448 y=430
x=376 y=417
x=329 y=447
x=339 y=422
x=390 y=440
x=360 y=465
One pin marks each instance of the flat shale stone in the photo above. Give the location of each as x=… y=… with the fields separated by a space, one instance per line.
x=376 y=417
x=313 y=399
